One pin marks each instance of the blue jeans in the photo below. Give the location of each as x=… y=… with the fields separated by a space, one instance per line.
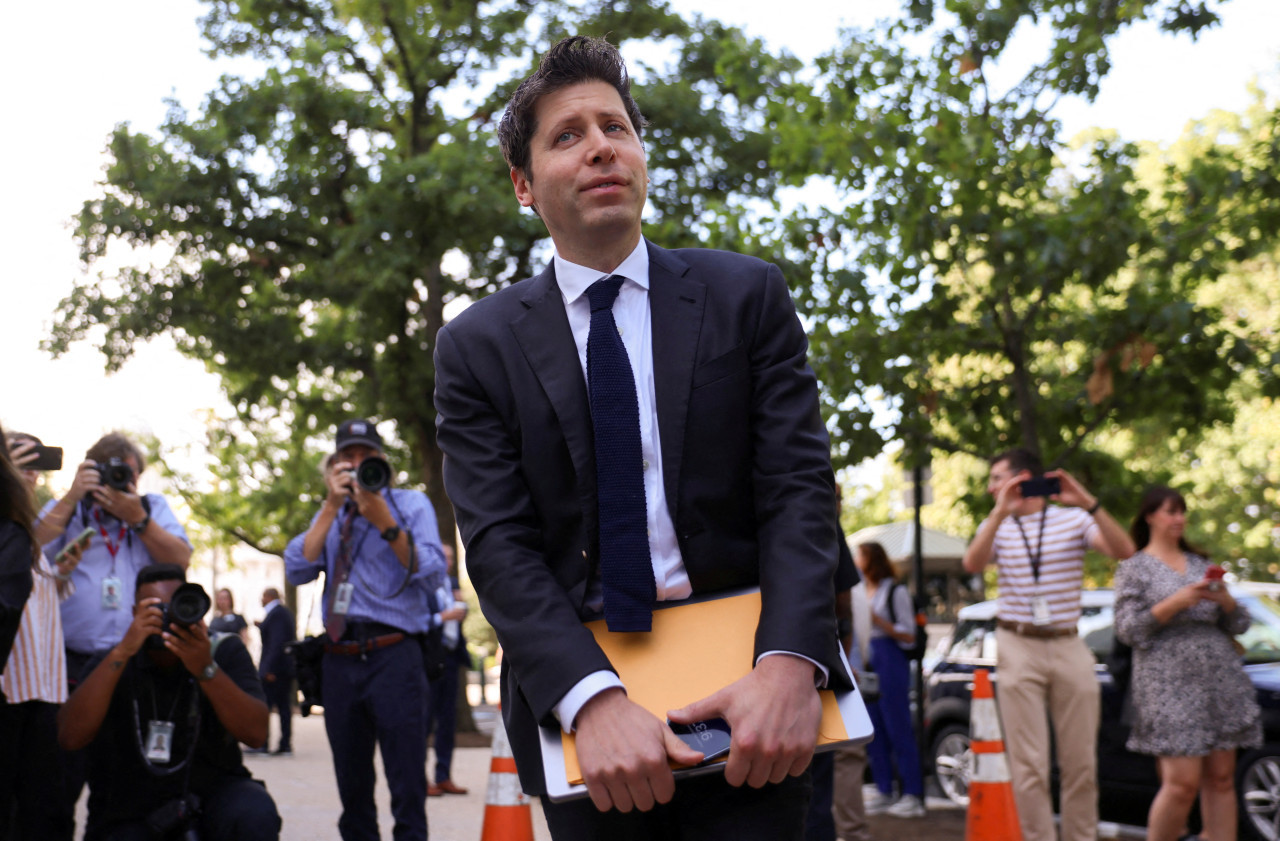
x=894 y=747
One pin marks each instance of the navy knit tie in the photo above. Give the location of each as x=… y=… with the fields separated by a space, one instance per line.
x=625 y=569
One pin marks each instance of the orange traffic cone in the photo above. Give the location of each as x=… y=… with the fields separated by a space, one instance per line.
x=993 y=816
x=507 y=813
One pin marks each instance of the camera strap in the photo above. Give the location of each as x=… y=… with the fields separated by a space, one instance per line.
x=413 y=554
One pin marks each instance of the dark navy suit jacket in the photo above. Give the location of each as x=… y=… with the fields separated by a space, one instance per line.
x=277 y=628
x=745 y=457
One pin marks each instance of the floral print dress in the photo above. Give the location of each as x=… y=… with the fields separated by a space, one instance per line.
x=1190 y=693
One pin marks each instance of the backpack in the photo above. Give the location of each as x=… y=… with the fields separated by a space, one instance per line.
x=921 y=645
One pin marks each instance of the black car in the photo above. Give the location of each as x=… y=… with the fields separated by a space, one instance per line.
x=1127 y=782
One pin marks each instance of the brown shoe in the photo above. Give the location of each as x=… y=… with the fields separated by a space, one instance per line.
x=447 y=787
x=434 y=791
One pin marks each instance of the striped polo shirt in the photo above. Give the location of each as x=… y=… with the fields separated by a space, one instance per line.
x=1067 y=532
x=37 y=668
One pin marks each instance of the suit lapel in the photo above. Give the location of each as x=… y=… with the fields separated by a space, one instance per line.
x=676 y=304
x=544 y=336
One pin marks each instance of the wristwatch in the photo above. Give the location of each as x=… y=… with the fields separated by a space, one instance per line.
x=391 y=533
x=207 y=672
x=141 y=526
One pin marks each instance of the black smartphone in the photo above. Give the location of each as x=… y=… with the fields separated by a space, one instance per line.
x=711 y=737
x=47 y=458
x=1041 y=486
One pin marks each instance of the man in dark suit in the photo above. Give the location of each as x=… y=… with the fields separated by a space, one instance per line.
x=732 y=454
x=275 y=667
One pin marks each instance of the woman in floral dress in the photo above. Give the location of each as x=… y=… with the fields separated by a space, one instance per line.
x=1194 y=705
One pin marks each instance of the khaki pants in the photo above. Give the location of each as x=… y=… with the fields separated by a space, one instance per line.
x=1054 y=676
x=846 y=804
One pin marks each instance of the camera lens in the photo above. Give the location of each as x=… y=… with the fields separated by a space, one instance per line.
x=189 y=604
x=116 y=474
x=374 y=473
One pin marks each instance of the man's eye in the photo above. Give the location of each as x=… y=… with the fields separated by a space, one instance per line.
x=563 y=136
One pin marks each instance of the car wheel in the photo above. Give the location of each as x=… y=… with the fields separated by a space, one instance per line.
x=952 y=759
x=1258 y=787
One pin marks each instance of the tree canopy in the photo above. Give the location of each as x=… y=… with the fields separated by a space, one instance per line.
x=307 y=228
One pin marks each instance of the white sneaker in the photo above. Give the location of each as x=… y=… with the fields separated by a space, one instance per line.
x=908 y=806
x=878 y=803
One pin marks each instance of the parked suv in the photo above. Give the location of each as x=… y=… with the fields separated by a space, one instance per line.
x=1126 y=781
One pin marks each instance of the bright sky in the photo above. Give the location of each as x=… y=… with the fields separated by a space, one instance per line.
x=70 y=80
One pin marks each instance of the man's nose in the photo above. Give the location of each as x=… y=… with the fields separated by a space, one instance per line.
x=600 y=147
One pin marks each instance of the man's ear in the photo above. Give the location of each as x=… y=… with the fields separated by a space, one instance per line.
x=523 y=187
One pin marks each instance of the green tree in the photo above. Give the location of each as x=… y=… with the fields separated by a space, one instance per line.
x=303 y=233
x=993 y=283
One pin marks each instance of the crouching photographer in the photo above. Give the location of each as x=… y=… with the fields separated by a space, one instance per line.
x=162 y=716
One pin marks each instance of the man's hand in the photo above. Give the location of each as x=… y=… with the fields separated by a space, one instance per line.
x=1009 y=497
x=86 y=482
x=191 y=645
x=773 y=713
x=1073 y=493
x=343 y=486
x=125 y=506
x=148 y=619
x=623 y=751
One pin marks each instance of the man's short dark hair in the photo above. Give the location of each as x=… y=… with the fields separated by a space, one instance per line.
x=1019 y=459
x=573 y=61
x=159 y=572
x=116 y=445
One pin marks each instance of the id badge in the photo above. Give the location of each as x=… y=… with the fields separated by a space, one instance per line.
x=342 y=599
x=1040 y=610
x=111 y=593
x=159 y=741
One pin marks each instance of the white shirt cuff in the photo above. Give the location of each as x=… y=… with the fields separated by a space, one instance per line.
x=818 y=682
x=584 y=690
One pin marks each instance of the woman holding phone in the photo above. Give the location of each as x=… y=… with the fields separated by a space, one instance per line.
x=1194 y=706
x=33 y=682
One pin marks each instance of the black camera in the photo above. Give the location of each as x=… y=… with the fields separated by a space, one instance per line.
x=187 y=607
x=116 y=474
x=373 y=474
x=176 y=818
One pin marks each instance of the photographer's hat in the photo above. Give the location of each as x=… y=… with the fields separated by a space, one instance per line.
x=357 y=431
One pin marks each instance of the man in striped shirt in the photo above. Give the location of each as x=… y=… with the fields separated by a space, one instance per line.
x=1044 y=666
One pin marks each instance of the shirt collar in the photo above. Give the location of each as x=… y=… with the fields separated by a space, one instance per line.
x=270 y=606
x=574 y=279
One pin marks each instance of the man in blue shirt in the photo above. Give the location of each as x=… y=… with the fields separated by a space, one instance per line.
x=131 y=532
x=379 y=549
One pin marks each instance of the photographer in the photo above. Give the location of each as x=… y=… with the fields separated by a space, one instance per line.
x=379 y=549
x=162 y=715
x=128 y=532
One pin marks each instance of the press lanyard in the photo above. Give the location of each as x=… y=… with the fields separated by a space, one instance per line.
x=1035 y=559
x=113 y=548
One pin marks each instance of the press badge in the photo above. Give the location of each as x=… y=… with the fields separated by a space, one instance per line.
x=1040 y=610
x=159 y=741
x=111 y=593
x=342 y=599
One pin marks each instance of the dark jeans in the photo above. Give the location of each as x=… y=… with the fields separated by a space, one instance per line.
x=444 y=714
x=705 y=808
x=820 y=823
x=279 y=694
x=238 y=810
x=380 y=698
x=30 y=774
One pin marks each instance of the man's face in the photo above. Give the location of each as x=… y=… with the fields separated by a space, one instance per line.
x=353 y=454
x=1002 y=473
x=162 y=590
x=589 y=178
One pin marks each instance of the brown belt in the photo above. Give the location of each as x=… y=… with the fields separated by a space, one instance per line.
x=1028 y=629
x=364 y=646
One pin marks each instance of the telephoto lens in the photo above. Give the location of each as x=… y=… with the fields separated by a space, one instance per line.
x=374 y=473
x=189 y=604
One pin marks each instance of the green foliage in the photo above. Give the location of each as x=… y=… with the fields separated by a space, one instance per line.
x=996 y=285
x=303 y=231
